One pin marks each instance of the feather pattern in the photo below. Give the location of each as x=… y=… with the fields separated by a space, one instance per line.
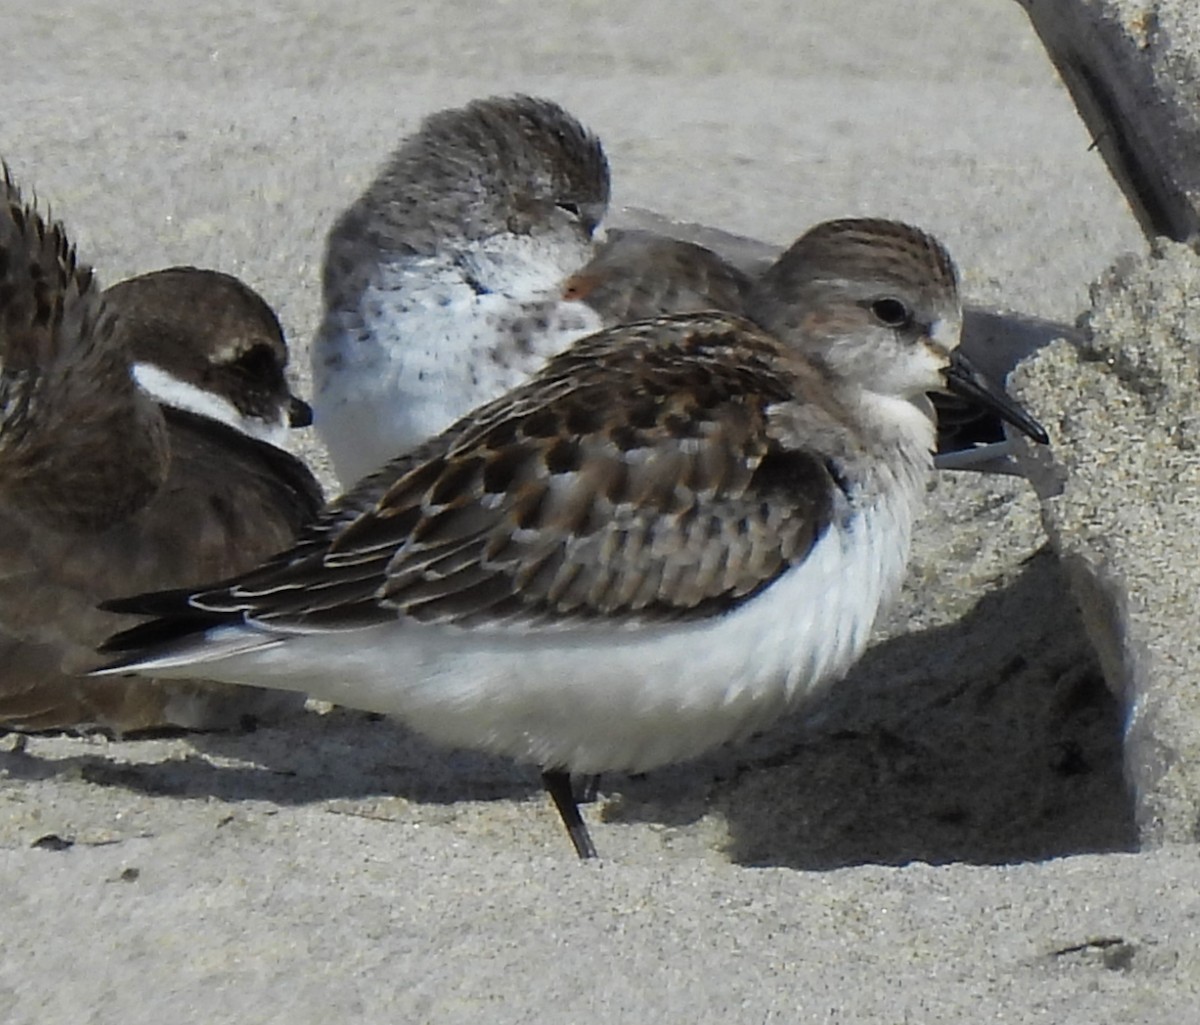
x=638 y=479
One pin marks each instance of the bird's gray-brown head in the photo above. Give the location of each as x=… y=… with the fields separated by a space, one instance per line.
x=504 y=165
x=876 y=303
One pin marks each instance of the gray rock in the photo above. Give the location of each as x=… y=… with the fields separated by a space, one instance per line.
x=1120 y=492
x=1133 y=70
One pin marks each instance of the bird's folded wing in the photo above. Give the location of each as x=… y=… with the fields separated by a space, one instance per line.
x=637 y=478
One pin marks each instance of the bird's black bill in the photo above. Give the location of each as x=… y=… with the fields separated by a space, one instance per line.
x=300 y=413
x=968 y=383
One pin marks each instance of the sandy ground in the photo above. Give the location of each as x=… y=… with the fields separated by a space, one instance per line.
x=948 y=838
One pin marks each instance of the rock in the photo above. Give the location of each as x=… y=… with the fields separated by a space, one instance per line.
x=1133 y=70
x=1120 y=493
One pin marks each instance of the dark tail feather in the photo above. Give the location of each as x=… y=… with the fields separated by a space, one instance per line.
x=174 y=619
x=158 y=633
x=154 y=603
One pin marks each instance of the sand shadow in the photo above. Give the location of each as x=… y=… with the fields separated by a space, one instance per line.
x=991 y=740
x=309 y=758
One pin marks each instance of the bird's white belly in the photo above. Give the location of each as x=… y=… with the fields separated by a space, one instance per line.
x=403 y=367
x=593 y=700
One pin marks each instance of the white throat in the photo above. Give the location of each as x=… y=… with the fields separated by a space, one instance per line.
x=168 y=390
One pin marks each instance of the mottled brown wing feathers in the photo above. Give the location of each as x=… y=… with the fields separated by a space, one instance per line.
x=634 y=479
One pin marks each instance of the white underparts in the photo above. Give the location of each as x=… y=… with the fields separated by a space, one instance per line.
x=423 y=345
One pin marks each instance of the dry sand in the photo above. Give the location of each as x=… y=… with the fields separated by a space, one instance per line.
x=946 y=839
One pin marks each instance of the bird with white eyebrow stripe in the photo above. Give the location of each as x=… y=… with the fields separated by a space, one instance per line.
x=107 y=487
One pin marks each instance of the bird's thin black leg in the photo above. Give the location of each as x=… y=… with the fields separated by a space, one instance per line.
x=558 y=786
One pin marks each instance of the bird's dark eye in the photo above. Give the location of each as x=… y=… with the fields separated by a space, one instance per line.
x=258 y=363
x=571 y=208
x=892 y=312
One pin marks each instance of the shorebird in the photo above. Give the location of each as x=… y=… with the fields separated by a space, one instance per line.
x=638 y=273
x=443 y=281
x=129 y=460
x=674 y=531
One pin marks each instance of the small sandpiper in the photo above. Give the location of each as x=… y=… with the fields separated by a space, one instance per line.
x=676 y=530
x=107 y=487
x=443 y=281
x=637 y=273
